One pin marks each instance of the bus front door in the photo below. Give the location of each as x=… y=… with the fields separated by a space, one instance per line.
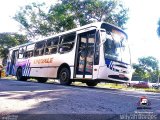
x=85 y=56
x=13 y=62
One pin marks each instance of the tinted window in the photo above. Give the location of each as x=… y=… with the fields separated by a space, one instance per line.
x=29 y=51
x=97 y=49
x=67 y=42
x=51 y=46
x=39 y=48
x=22 y=51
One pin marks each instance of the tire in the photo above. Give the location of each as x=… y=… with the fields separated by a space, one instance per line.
x=91 y=84
x=42 y=80
x=19 y=75
x=64 y=76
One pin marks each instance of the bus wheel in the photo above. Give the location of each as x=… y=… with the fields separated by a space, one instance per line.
x=91 y=84
x=64 y=76
x=42 y=80
x=19 y=75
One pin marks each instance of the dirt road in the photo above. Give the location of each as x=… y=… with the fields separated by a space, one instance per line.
x=17 y=97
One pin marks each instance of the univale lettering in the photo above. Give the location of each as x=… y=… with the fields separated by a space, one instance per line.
x=43 y=61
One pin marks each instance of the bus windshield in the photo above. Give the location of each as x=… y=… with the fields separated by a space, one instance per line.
x=116 y=47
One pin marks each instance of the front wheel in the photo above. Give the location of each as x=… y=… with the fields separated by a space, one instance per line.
x=64 y=76
x=20 y=76
x=91 y=84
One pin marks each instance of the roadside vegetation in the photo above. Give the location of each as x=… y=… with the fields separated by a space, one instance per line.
x=125 y=87
x=147 y=69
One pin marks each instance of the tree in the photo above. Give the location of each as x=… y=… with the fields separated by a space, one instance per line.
x=68 y=14
x=139 y=71
x=8 y=40
x=32 y=19
x=147 y=67
x=148 y=63
x=158 y=29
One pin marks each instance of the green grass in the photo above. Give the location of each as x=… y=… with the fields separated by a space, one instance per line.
x=124 y=87
x=10 y=77
x=112 y=85
x=152 y=90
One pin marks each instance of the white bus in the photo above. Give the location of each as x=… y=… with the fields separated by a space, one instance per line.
x=92 y=53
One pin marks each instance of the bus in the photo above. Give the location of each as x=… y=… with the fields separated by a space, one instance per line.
x=97 y=52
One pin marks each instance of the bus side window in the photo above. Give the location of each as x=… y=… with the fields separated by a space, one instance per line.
x=28 y=54
x=29 y=51
x=51 y=46
x=39 y=48
x=22 y=52
x=67 y=42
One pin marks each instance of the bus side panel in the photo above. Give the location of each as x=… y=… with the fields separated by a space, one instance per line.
x=48 y=65
x=24 y=64
x=44 y=72
x=58 y=60
x=39 y=66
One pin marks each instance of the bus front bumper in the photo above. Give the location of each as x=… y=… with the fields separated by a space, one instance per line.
x=107 y=74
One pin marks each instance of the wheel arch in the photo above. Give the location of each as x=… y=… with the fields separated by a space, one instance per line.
x=64 y=65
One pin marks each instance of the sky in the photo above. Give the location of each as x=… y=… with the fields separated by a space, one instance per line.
x=141 y=26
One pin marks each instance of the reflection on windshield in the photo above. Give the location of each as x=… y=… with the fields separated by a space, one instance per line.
x=116 y=47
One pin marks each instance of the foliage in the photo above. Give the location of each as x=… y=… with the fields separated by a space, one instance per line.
x=8 y=40
x=147 y=68
x=33 y=19
x=68 y=14
x=149 y=63
x=158 y=29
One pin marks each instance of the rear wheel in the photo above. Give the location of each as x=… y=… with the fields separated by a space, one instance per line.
x=91 y=84
x=20 y=76
x=42 y=80
x=64 y=76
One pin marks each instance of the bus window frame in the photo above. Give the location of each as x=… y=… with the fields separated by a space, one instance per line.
x=28 y=51
x=62 y=43
x=24 y=50
x=42 y=49
x=52 y=47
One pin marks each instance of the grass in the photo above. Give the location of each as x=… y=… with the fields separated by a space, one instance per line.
x=10 y=77
x=112 y=85
x=152 y=90
x=124 y=87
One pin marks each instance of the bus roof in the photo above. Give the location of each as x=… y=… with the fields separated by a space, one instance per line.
x=95 y=24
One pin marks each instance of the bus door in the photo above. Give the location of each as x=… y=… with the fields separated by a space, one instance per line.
x=85 y=56
x=14 y=57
